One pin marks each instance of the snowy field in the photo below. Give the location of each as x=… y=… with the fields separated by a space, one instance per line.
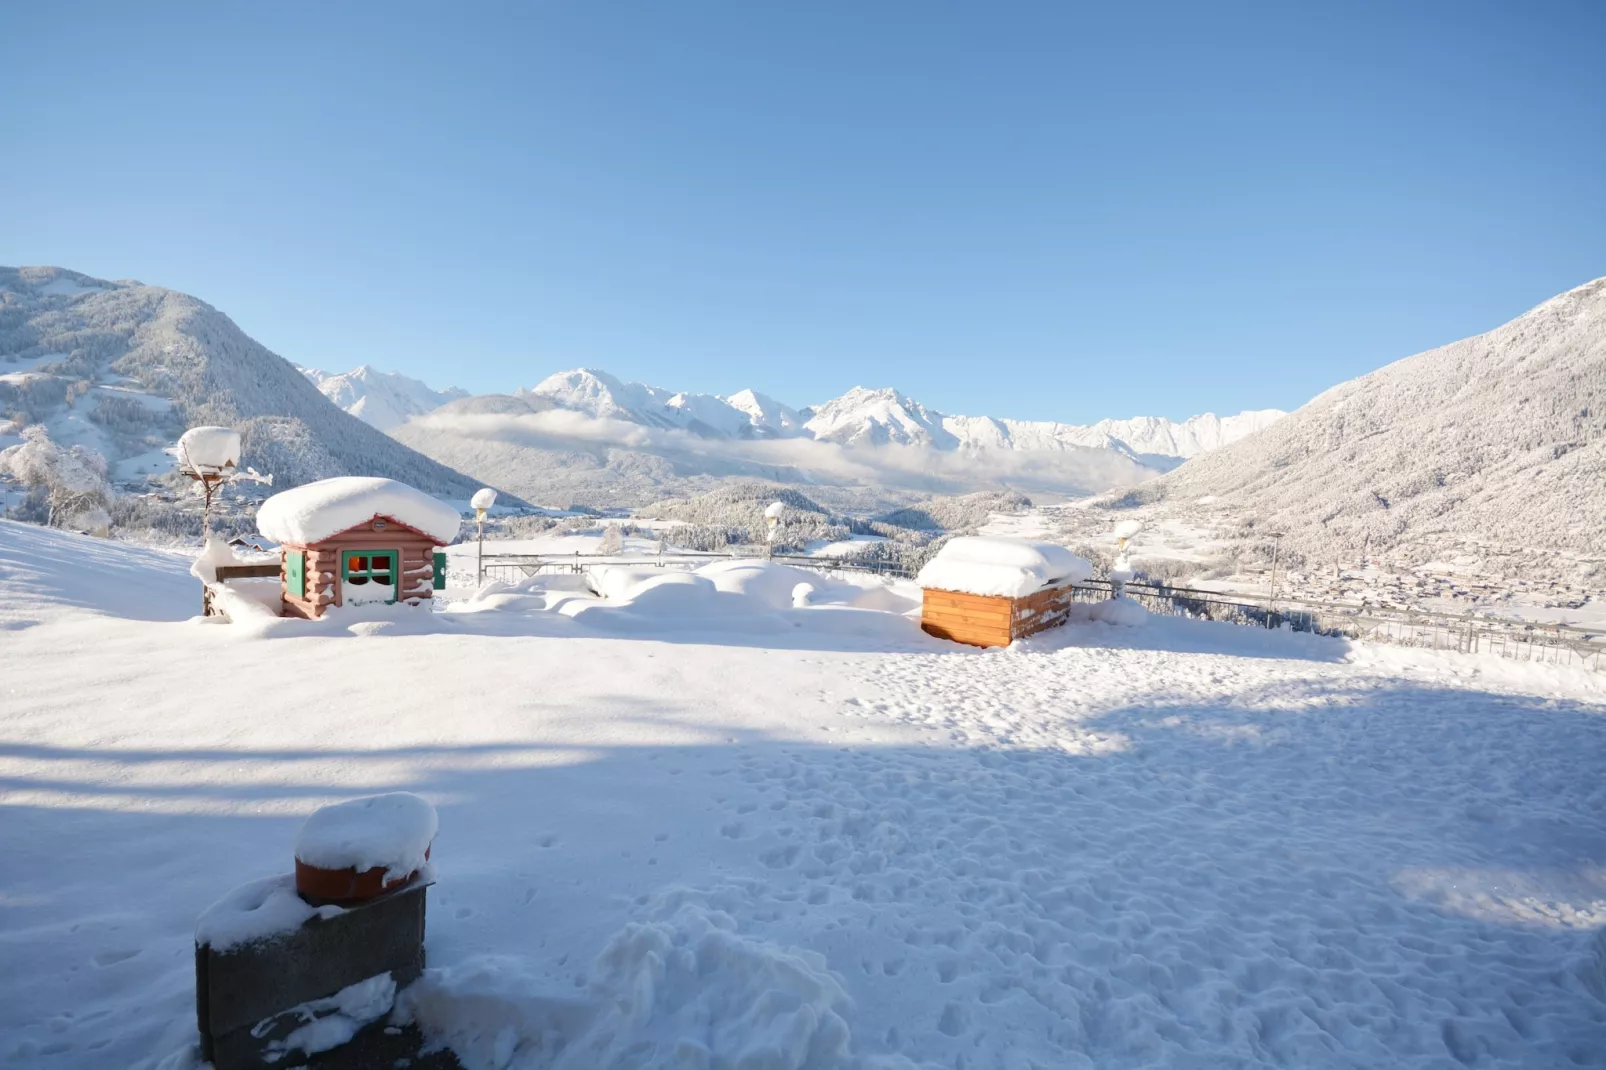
x=728 y=827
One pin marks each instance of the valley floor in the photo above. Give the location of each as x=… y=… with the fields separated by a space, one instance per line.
x=813 y=837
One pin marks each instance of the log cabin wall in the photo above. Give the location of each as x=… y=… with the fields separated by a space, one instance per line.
x=322 y=571
x=415 y=564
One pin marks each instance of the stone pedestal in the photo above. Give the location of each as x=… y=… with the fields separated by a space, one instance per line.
x=246 y=996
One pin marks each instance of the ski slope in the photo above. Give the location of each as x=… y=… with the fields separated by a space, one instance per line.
x=702 y=831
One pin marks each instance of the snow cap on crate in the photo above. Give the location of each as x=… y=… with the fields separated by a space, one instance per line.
x=384 y=832
x=994 y=565
x=314 y=512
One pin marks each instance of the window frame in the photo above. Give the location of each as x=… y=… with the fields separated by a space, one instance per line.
x=394 y=557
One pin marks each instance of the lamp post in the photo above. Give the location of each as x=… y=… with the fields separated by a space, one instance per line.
x=1276 y=547
x=1121 y=573
x=772 y=516
x=482 y=501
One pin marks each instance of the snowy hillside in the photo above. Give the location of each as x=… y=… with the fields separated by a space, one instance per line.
x=123 y=368
x=1500 y=438
x=729 y=823
x=380 y=399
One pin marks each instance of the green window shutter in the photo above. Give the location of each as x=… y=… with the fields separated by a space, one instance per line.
x=440 y=570
x=295 y=573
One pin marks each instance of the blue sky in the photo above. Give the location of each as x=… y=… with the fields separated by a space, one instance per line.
x=1048 y=211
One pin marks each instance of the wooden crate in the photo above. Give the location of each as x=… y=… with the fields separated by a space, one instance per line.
x=992 y=620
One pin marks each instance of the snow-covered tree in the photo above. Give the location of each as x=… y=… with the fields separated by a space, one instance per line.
x=73 y=479
x=612 y=542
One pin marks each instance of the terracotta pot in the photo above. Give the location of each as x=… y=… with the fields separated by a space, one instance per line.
x=341 y=886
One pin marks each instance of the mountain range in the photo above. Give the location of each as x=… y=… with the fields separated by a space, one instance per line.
x=863 y=417
x=122 y=368
x=860 y=417
x=585 y=435
x=1500 y=438
x=379 y=399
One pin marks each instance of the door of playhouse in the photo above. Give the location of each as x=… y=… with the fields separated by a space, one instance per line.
x=367 y=576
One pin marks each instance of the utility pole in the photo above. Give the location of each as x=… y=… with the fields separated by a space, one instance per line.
x=1276 y=547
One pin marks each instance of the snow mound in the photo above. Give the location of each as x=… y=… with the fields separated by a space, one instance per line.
x=256 y=911
x=730 y=588
x=216 y=554
x=334 y=1020
x=209 y=449
x=1123 y=611
x=683 y=991
x=995 y=565
x=316 y=511
x=391 y=832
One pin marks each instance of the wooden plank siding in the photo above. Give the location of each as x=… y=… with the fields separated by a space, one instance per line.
x=976 y=619
x=992 y=620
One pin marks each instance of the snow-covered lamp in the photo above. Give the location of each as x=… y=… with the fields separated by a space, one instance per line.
x=1121 y=572
x=211 y=457
x=772 y=515
x=483 y=500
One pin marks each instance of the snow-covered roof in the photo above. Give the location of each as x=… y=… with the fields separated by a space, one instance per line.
x=993 y=565
x=317 y=511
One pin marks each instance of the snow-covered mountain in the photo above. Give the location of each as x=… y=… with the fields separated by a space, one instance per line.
x=587 y=436
x=863 y=417
x=122 y=368
x=597 y=394
x=1498 y=439
x=380 y=399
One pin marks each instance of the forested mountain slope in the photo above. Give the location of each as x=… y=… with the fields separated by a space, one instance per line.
x=1500 y=438
x=123 y=367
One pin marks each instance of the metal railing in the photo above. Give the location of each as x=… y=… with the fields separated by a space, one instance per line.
x=511 y=568
x=1521 y=640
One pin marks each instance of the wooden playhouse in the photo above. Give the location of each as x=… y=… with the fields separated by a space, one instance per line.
x=356 y=540
x=990 y=591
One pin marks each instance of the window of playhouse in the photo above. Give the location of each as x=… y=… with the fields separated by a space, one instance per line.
x=369 y=577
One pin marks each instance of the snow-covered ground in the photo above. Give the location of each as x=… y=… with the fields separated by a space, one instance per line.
x=813 y=836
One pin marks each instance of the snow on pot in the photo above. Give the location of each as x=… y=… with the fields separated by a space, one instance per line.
x=987 y=590
x=356 y=850
x=357 y=539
